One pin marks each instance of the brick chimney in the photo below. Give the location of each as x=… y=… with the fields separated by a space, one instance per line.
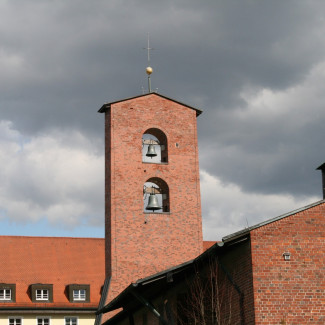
x=322 y=168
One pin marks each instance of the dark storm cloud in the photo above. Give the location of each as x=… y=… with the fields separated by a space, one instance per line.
x=78 y=54
x=60 y=61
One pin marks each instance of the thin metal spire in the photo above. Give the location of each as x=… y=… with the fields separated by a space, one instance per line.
x=149 y=69
x=148 y=48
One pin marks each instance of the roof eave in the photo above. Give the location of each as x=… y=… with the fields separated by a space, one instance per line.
x=106 y=106
x=246 y=231
x=117 y=301
x=29 y=309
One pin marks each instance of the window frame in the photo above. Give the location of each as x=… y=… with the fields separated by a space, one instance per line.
x=79 y=294
x=12 y=289
x=42 y=294
x=43 y=318
x=36 y=287
x=15 y=319
x=75 y=287
x=71 y=317
x=6 y=295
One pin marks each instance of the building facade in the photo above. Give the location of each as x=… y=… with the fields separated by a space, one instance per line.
x=271 y=273
x=152 y=192
x=50 y=280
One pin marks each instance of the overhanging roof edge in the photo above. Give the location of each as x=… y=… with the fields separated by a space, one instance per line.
x=116 y=302
x=107 y=105
x=246 y=231
x=151 y=278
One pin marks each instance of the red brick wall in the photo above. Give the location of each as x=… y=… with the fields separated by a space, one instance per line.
x=290 y=292
x=135 y=249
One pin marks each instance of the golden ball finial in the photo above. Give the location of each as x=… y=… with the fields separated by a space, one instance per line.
x=149 y=70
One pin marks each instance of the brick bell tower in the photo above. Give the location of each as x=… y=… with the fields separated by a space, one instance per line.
x=152 y=187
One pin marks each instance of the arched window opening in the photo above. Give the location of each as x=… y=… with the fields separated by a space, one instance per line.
x=155 y=195
x=154 y=146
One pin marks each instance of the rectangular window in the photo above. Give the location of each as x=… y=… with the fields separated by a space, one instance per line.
x=71 y=321
x=15 y=321
x=79 y=294
x=43 y=321
x=42 y=294
x=5 y=294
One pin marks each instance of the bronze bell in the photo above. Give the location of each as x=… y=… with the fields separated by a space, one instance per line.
x=153 y=203
x=151 y=151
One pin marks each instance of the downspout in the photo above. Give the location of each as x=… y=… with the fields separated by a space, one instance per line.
x=98 y=319
x=149 y=306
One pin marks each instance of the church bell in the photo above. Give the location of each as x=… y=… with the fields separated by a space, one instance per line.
x=151 y=151
x=153 y=203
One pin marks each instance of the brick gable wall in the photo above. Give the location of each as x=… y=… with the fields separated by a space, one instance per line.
x=290 y=292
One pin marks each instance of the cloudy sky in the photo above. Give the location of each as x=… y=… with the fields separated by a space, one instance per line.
x=256 y=69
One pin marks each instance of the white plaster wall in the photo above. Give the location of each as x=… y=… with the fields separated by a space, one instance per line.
x=55 y=319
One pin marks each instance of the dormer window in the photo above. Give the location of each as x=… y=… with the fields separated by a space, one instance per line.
x=42 y=292
x=79 y=292
x=7 y=292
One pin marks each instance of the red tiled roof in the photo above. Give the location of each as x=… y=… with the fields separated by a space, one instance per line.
x=207 y=244
x=52 y=260
x=57 y=261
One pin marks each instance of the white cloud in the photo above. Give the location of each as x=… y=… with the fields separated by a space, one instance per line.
x=59 y=177
x=227 y=209
x=300 y=99
x=274 y=141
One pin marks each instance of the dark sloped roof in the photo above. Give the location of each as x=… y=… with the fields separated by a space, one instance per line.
x=150 y=284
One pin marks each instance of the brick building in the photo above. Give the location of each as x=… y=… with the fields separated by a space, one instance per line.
x=139 y=240
x=270 y=273
x=152 y=257
x=287 y=255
